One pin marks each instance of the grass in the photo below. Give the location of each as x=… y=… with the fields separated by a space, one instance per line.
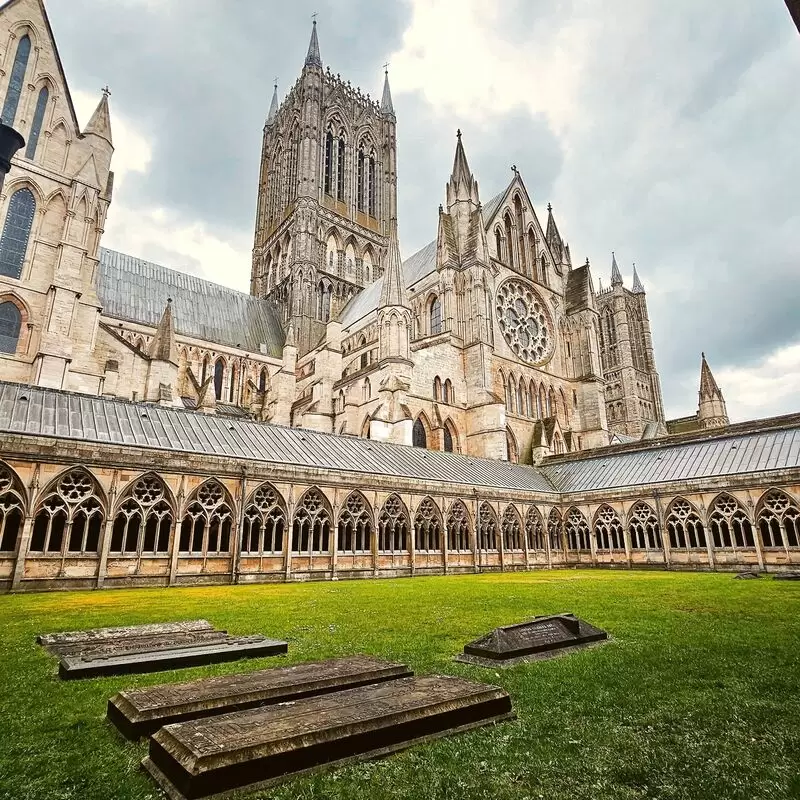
x=698 y=695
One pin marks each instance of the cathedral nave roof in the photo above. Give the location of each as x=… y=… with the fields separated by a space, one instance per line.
x=136 y=290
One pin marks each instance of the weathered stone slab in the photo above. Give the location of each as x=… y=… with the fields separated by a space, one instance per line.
x=541 y=637
x=787 y=576
x=167 y=655
x=141 y=712
x=266 y=745
x=746 y=576
x=59 y=642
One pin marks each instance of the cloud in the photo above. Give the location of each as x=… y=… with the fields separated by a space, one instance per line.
x=665 y=131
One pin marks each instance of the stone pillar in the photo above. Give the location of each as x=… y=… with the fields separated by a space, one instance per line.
x=22 y=552
x=239 y=528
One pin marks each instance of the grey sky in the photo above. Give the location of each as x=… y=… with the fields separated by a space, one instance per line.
x=665 y=130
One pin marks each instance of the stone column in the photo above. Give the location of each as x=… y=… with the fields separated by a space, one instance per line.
x=525 y=546
x=239 y=528
x=662 y=529
x=22 y=552
x=374 y=537
x=412 y=537
x=548 y=551
x=626 y=537
x=502 y=544
x=287 y=539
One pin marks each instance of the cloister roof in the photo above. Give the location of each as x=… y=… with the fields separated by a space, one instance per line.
x=750 y=448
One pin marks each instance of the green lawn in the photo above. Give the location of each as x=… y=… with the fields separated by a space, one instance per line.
x=698 y=695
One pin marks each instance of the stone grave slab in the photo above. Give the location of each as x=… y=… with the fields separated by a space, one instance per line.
x=167 y=653
x=141 y=712
x=542 y=637
x=63 y=642
x=266 y=745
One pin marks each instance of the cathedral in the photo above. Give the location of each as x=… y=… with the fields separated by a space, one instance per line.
x=158 y=428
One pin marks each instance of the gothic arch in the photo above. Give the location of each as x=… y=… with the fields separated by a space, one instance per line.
x=354 y=526
x=393 y=526
x=512 y=529
x=450 y=442
x=428 y=526
x=685 y=529
x=459 y=527
x=13 y=502
x=143 y=517
x=25 y=27
x=12 y=341
x=534 y=529
x=421 y=426
x=729 y=523
x=512 y=447
x=554 y=529
x=207 y=520
x=312 y=523
x=70 y=514
x=778 y=519
x=488 y=528
x=577 y=530
x=608 y=529
x=644 y=532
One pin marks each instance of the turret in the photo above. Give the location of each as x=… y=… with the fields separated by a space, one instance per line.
x=711 y=412
x=394 y=312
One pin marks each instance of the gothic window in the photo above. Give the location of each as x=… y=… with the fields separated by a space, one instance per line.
x=393 y=526
x=512 y=529
x=543 y=270
x=534 y=530
x=458 y=527
x=643 y=528
x=524 y=319
x=554 y=529
x=551 y=402
x=498 y=244
x=207 y=523
x=10 y=325
x=487 y=528
x=510 y=394
x=219 y=376
x=264 y=522
x=532 y=400
x=16 y=232
x=144 y=520
x=360 y=178
x=778 y=520
x=311 y=529
x=578 y=534
x=608 y=529
x=509 y=241
x=558 y=443
x=70 y=518
x=523 y=261
x=262 y=380
x=437 y=388
x=448 y=439
x=340 y=401
x=373 y=187
x=11 y=511
x=541 y=403
x=729 y=524
x=232 y=388
x=512 y=453
x=329 y=162
x=16 y=81
x=36 y=125
x=291 y=184
x=324 y=292
x=532 y=250
x=428 y=527
x=684 y=527
x=419 y=437
x=521 y=397
x=340 y=168
x=367 y=390
x=449 y=394
x=355 y=525
x=435 y=315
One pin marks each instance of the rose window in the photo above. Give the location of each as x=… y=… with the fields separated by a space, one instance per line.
x=523 y=318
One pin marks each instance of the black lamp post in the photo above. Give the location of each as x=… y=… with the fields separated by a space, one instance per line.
x=10 y=142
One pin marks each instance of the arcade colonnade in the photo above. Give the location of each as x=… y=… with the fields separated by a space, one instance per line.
x=75 y=526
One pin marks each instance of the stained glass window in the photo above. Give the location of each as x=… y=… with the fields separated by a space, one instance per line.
x=10 y=324
x=36 y=127
x=16 y=81
x=16 y=232
x=436 y=316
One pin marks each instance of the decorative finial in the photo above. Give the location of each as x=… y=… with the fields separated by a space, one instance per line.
x=514 y=168
x=458 y=133
x=275 y=82
x=587 y=261
x=386 y=68
x=549 y=207
x=106 y=91
x=169 y=301
x=702 y=355
x=314 y=18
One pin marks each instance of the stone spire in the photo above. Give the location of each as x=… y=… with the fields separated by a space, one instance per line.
x=100 y=123
x=616 y=276
x=637 y=284
x=393 y=292
x=552 y=235
x=387 y=107
x=462 y=184
x=163 y=346
x=273 y=106
x=313 y=58
x=711 y=412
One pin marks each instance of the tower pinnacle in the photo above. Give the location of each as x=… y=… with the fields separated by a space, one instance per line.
x=393 y=292
x=637 y=284
x=273 y=106
x=313 y=58
x=711 y=412
x=387 y=107
x=616 y=276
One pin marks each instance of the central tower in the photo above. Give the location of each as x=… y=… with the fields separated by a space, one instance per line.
x=327 y=192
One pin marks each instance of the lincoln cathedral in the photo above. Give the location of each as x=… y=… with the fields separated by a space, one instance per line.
x=504 y=409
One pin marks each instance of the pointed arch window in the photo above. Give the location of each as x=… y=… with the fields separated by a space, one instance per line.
x=458 y=528
x=10 y=326
x=608 y=530
x=36 y=125
x=419 y=437
x=329 y=162
x=523 y=261
x=373 y=188
x=262 y=380
x=219 y=377
x=361 y=178
x=487 y=528
x=428 y=527
x=11 y=511
x=534 y=530
x=779 y=520
x=435 y=315
x=578 y=534
x=264 y=522
x=512 y=529
x=684 y=527
x=509 y=241
x=232 y=387
x=543 y=270
x=16 y=232
x=340 y=167
x=144 y=520
x=393 y=526
x=311 y=528
x=354 y=531
x=643 y=528
x=448 y=440
x=437 y=388
x=498 y=244
x=294 y=146
x=554 y=529
x=533 y=255
x=207 y=524
x=16 y=81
